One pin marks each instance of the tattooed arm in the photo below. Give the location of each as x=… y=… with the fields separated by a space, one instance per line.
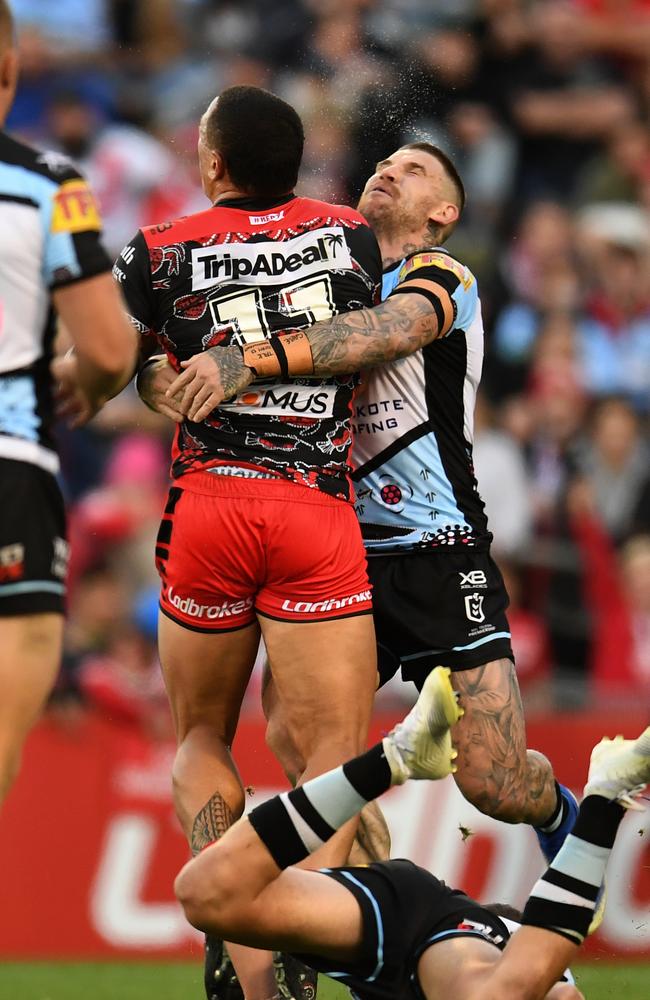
x=362 y=339
x=398 y=327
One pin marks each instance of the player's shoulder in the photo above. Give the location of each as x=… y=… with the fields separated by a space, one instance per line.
x=49 y=164
x=184 y=228
x=436 y=260
x=343 y=214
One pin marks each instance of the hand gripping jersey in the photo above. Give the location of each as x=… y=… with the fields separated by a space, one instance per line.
x=237 y=273
x=413 y=426
x=49 y=237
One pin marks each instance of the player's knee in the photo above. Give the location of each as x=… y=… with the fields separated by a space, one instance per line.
x=483 y=795
x=510 y=810
x=284 y=749
x=194 y=900
x=207 y=890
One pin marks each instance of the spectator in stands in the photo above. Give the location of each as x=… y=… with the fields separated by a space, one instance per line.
x=136 y=177
x=616 y=462
x=539 y=278
x=117 y=522
x=54 y=57
x=530 y=641
x=615 y=319
x=621 y=171
x=564 y=104
x=498 y=459
x=124 y=682
x=617 y=590
x=620 y=29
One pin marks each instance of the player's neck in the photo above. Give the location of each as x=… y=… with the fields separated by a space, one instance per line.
x=394 y=248
x=224 y=192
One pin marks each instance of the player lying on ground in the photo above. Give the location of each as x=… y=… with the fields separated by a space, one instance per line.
x=391 y=929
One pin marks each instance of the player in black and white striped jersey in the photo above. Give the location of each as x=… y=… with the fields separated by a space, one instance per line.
x=392 y=929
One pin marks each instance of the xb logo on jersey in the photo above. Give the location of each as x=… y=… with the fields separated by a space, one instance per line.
x=474 y=607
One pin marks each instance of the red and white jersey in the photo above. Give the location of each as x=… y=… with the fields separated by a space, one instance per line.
x=237 y=273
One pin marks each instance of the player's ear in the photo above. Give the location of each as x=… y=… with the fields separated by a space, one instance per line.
x=444 y=214
x=218 y=168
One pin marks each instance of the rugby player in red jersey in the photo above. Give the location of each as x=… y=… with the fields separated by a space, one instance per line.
x=438 y=596
x=259 y=532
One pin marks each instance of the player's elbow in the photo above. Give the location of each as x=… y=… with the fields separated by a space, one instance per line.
x=116 y=354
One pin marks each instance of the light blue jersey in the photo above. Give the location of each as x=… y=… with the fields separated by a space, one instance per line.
x=413 y=426
x=49 y=237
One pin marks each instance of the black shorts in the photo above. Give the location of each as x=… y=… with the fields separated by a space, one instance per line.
x=438 y=609
x=33 y=547
x=405 y=909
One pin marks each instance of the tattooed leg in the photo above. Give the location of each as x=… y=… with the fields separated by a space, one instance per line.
x=496 y=773
x=211 y=823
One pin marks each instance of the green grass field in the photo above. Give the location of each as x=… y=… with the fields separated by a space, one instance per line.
x=182 y=981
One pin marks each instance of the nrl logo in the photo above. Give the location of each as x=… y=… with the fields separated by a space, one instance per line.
x=474 y=607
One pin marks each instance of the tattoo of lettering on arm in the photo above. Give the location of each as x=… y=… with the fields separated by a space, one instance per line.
x=494 y=768
x=210 y=823
x=356 y=340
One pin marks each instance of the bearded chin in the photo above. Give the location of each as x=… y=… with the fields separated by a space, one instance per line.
x=384 y=218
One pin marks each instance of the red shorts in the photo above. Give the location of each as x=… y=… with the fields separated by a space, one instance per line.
x=230 y=548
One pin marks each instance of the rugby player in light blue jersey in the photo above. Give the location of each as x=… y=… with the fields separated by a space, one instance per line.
x=438 y=596
x=51 y=261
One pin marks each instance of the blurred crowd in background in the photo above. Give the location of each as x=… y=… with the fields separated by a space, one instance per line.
x=544 y=105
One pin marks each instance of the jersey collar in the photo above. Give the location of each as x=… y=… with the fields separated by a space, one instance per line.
x=254 y=204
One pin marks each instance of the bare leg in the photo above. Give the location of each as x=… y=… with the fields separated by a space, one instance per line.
x=496 y=773
x=258 y=905
x=206 y=677
x=372 y=840
x=324 y=676
x=30 y=654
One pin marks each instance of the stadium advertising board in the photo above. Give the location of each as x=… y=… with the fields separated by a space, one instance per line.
x=90 y=843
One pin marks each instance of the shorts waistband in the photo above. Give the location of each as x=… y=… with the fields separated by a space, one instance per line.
x=241 y=472
x=271 y=489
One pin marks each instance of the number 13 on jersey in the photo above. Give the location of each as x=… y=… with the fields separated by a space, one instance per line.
x=246 y=312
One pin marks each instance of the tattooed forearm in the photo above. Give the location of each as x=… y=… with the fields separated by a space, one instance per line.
x=210 y=823
x=396 y=328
